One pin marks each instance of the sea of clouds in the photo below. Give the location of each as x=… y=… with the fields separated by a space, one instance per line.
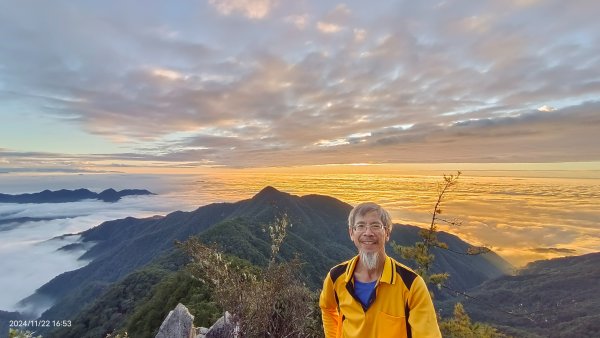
x=29 y=250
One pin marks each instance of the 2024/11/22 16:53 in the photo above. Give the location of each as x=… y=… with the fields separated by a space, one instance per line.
x=38 y=323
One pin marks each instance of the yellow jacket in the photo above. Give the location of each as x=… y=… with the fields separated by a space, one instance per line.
x=402 y=306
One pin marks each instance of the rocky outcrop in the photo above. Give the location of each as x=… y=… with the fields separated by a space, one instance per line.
x=179 y=323
x=222 y=328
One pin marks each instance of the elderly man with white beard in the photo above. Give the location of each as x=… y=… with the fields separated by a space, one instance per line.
x=373 y=295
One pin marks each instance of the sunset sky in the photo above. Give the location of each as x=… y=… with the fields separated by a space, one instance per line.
x=357 y=100
x=125 y=85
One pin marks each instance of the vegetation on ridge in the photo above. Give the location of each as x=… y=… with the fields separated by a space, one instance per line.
x=271 y=301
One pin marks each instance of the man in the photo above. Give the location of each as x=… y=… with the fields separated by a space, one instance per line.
x=372 y=295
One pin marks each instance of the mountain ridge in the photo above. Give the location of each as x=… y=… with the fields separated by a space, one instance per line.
x=65 y=195
x=558 y=297
x=318 y=232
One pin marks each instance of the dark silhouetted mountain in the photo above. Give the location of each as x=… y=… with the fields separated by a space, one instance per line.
x=318 y=234
x=550 y=298
x=64 y=195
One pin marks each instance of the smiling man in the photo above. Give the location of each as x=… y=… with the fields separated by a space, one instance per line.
x=372 y=295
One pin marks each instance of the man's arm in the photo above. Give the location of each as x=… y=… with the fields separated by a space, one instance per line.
x=329 y=309
x=422 y=318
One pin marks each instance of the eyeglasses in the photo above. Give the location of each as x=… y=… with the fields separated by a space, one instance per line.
x=375 y=227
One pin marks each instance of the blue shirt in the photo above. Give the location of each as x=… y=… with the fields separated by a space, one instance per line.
x=364 y=290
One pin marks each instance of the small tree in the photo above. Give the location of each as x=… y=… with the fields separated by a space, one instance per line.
x=460 y=325
x=421 y=252
x=277 y=233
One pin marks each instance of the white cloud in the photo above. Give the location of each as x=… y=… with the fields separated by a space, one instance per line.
x=405 y=126
x=253 y=9
x=546 y=108
x=328 y=28
x=167 y=74
x=332 y=143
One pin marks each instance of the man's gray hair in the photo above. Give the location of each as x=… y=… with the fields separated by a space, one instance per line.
x=365 y=208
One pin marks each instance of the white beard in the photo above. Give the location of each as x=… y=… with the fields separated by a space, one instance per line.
x=369 y=259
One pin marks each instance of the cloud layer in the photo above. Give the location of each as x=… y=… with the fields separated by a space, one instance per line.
x=246 y=83
x=29 y=256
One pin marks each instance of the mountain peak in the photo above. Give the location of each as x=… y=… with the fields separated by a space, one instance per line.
x=269 y=190
x=270 y=193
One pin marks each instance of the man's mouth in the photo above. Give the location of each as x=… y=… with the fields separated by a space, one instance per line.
x=368 y=242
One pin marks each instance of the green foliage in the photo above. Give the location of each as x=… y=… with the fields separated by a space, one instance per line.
x=179 y=287
x=242 y=238
x=269 y=301
x=253 y=240
x=461 y=326
x=111 y=310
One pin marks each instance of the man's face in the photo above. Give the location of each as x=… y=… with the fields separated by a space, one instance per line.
x=369 y=240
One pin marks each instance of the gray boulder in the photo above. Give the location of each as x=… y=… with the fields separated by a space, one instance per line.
x=224 y=327
x=201 y=332
x=178 y=324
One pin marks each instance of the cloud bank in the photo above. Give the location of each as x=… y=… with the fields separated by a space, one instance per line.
x=30 y=255
x=246 y=83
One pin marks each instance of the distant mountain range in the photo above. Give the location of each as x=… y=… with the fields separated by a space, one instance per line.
x=550 y=298
x=63 y=196
x=125 y=249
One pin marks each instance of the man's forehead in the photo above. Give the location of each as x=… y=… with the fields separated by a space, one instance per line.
x=371 y=216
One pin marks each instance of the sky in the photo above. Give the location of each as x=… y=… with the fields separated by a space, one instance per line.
x=126 y=86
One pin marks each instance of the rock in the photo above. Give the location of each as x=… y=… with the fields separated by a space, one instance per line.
x=201 y=332
x=223 y=328
x=178 y=324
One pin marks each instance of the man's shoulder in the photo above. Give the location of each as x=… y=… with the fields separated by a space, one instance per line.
x=407 y=274
x=399 y=265
x=339 y=270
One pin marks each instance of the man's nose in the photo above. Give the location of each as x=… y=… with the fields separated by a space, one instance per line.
x=369 y=231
